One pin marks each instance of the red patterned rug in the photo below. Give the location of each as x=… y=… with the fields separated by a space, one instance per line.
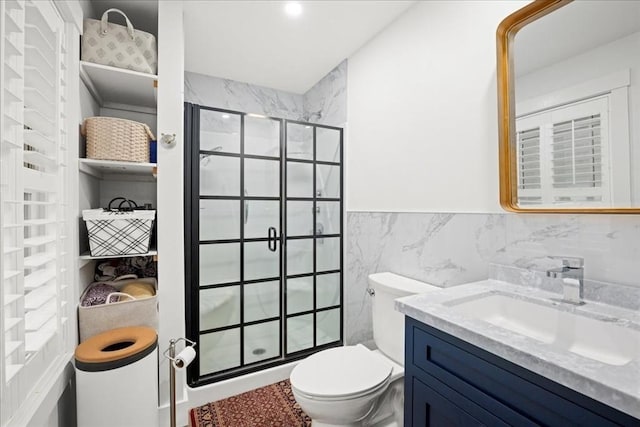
x=270 y=406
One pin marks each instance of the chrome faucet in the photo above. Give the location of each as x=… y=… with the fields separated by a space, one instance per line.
x=572 y=275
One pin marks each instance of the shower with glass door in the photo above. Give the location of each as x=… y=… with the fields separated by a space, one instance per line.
x=263 y=237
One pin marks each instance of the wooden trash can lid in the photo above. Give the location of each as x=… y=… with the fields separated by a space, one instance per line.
x=115 y=348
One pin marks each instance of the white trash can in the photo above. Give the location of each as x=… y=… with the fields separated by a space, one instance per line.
x=117 y=379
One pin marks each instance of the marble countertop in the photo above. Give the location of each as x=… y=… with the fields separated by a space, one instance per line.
x=616 y=386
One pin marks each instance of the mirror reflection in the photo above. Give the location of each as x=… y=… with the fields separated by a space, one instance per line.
x=577 y=100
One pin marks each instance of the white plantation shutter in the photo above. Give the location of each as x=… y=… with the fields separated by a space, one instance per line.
x=563 y=155
x=529 y=172
x=35 y=263
x=579 y=151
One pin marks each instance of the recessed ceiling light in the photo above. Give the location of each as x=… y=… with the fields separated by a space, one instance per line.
x=293 y=9
x=225 y=116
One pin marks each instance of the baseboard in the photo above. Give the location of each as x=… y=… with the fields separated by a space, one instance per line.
x=182 y=413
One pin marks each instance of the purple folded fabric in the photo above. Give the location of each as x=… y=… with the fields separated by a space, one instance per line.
x=98 y=294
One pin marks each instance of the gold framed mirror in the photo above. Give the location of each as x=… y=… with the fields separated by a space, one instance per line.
x=569 y=134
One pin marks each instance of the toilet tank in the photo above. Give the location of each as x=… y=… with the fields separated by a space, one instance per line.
x=388 y=324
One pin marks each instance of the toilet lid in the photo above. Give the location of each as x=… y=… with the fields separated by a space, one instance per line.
x=340 y=371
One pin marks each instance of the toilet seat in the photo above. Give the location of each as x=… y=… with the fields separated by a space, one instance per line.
x=344 y=398
x=341 y=373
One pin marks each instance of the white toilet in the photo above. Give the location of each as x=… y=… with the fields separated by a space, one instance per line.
x=352 y=385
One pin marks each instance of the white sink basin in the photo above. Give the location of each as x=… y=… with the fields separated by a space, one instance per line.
x=589 y=337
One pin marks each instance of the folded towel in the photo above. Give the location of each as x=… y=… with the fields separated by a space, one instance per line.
x=139 y=290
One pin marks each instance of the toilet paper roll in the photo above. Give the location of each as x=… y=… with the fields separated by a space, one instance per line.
x=184 y=358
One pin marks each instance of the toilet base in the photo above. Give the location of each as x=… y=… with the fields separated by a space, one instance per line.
x=383 y=407
x=387 y=410
x=391 y=423
x=319 y=424
x=388 y=422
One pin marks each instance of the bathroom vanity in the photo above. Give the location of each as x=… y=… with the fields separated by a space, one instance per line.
x=466 y=367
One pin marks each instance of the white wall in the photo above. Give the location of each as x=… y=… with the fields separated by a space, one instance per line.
x=422 y=111
x=594 y=64
x=170 y=195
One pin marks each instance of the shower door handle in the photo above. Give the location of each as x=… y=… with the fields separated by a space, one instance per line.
x=246 y=207
x=272 y=242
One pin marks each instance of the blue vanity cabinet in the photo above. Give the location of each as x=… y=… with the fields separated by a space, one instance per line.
x=430 y=408
x=449 y=382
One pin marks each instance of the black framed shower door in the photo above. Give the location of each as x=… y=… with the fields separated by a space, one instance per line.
x=263 y=240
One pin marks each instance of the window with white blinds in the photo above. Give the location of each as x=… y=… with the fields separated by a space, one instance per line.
x=577 y=153
x=35 y=263
x=529 y=166
x=563 y=155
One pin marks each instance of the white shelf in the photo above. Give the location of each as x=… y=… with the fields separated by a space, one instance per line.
x=87 y=255
x=109 y=169
x=119 y=88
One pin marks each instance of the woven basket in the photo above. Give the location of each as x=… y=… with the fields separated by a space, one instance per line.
x=109 y=138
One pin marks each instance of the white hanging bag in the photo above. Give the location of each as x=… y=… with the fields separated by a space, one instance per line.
x=119 y=46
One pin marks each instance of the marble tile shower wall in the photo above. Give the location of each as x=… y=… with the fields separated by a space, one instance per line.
x=232 y=95
x=325 y=103
x=448 y=249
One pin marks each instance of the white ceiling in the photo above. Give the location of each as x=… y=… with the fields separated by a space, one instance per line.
x=574 y=29
x=256 y=42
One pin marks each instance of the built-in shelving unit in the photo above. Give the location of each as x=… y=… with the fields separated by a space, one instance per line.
x=126 y=94
x=87 y=255
x=119 y=88
x=109 y=169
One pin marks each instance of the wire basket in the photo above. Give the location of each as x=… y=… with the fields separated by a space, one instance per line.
x=118 y=233
x=110 y=138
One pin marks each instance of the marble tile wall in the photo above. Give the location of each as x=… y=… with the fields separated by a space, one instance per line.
x=449 y=249
x=244 y=97
x=324 y=103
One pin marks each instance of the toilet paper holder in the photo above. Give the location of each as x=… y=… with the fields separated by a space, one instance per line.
x=176 y=362
x=170 y=353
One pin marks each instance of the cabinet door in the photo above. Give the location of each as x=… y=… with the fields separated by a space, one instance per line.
x=429 y=408
x=454 y=368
